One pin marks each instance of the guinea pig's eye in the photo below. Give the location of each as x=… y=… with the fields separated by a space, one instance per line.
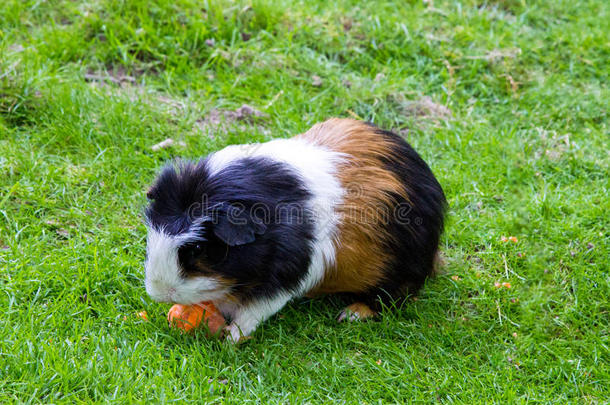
x=197 y=249
x=192 y=251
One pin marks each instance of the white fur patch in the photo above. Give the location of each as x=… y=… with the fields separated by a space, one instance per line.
x=163 y=280
x=247 y=318
x=317 y=167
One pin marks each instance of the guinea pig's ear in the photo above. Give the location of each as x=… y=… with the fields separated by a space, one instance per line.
x=235 y=226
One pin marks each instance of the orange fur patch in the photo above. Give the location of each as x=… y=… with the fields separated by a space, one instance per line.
x=369 y=199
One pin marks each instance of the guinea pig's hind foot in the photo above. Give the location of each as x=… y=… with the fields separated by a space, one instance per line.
x=357 y=311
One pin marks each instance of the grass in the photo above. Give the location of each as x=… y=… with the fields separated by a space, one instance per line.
x=87 y=87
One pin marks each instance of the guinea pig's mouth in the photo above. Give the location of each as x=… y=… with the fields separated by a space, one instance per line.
x=212 y=290
x=189 y=296
x=200 y=295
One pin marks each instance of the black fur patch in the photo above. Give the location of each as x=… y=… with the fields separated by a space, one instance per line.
x=416 y=224
x=256 y=228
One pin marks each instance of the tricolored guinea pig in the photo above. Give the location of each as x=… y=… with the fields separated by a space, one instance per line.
x=343 y=208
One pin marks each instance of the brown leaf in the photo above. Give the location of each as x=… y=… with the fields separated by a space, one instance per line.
x=53 y=223
x=117 y=75
x=246 y=111
x=220 y=119
x=426 y=108
x=163 y=144
x=347 y=24
x=497 y=54
x=63 y=232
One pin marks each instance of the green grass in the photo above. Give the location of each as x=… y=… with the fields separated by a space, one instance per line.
x=525 y=154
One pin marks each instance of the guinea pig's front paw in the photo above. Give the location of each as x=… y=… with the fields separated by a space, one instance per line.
x=233 y=334
x=356 y=312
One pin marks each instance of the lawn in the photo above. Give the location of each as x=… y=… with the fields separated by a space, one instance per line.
x=507 y=100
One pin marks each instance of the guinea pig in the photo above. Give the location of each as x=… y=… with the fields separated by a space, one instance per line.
x=343 y=208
